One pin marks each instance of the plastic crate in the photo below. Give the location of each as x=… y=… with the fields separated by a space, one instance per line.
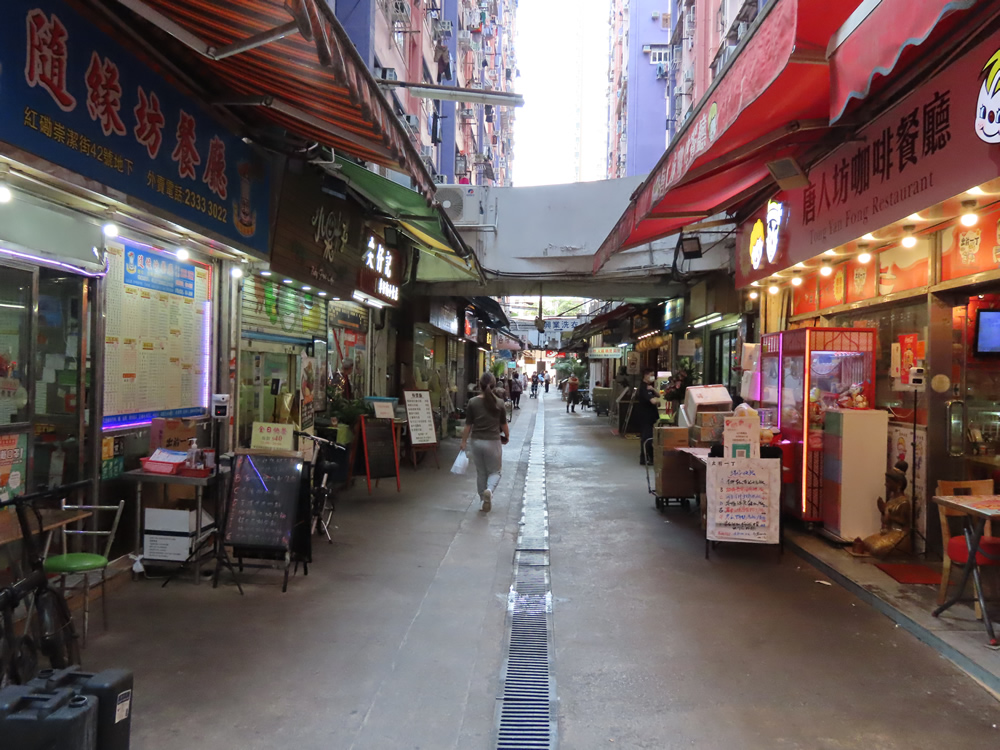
x=159 y=467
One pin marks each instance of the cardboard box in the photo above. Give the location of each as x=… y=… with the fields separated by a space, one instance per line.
x=169 y=534
x=172 y=434
x=713 y=419
x=669 y=438
x=674 y=477
x=706 y=435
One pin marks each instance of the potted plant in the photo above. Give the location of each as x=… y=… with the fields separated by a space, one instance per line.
x=347 y=412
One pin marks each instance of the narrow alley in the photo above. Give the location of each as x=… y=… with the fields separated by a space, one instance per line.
x=395 y=638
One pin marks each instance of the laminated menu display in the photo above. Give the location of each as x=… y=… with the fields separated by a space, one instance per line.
x=158 y=335
x=743 y=500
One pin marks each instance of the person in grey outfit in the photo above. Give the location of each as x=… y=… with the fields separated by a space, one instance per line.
x=486 y=423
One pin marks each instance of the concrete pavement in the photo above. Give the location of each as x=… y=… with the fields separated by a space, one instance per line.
x=394 y=639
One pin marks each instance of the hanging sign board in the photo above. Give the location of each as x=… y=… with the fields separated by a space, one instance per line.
x=744 y=500
x=420 y=417
x=604 y=352
x=384 y=410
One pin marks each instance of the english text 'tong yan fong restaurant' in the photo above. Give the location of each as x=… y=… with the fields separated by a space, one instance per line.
x=897 y=233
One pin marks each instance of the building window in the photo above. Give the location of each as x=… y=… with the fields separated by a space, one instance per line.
x=659 y=55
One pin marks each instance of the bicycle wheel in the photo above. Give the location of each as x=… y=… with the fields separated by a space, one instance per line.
x=19 y=654
x=58 y=639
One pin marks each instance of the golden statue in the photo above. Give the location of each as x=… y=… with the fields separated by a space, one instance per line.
x=895 y=515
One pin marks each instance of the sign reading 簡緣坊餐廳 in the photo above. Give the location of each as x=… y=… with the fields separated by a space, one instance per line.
x=936 y=143
x=381 y=271
x=73 y=96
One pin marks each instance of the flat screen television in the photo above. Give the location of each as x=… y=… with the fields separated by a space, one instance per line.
x=987 y=338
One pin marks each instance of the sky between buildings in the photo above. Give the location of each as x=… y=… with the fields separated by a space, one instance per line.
x=560 y=133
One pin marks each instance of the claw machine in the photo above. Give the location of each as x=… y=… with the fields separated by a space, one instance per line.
x=804 y=374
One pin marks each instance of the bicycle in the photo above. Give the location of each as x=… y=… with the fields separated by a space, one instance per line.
x=322 y=505
x=48 y=627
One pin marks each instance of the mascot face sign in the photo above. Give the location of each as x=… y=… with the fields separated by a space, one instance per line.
x=764 y=237
x=757 y=244
x=988 y=105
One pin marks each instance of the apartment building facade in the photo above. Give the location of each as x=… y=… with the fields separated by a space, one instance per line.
x=664 y=56
x=467 y=44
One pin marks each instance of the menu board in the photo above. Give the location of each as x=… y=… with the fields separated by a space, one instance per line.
x=744 y=500
x=420 y=417
x=158 y=336
x=264 y=501
x=379 y=445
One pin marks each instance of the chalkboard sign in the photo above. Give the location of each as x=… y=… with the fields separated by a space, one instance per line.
x=378 y=441
x=744 y=500
x=264 y=501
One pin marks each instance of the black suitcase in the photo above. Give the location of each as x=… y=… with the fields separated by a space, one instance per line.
x=113 y=690
x=57 y=720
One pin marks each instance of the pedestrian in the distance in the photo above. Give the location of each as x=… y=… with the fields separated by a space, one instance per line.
x=572 y=393
x=547 y=381
x=486 y=423
x=648 y=414
x=516 y=390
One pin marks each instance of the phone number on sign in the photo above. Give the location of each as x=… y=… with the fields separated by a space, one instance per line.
x=188 y=197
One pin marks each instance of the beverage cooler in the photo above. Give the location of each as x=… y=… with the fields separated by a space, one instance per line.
x=804 y=374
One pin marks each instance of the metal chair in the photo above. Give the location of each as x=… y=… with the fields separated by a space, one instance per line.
x=954 y=548
x=86 y=563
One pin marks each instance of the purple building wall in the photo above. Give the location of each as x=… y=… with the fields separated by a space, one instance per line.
x=647 y=105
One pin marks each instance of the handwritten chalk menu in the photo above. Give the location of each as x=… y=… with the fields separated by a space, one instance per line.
x=264 y=501
x=744 y=500
x=420 y=417
x=158 y=336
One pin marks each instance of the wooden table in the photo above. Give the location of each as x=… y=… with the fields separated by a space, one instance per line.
x=52 y=519
x=978 y=509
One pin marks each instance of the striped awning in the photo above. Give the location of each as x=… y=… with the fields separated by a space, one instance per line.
x=292 y=63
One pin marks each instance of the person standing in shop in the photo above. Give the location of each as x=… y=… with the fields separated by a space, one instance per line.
x=648 y=415
x=486 y=424
x=572 y=393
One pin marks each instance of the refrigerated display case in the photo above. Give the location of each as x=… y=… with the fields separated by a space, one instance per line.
x=820 y=369
x=770 y=379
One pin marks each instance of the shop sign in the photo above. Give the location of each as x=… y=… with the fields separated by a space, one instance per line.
x=72 y=95
x=270 y=436
x=805 y=298
x=444 y=315
x=380 y=272
x=471 y=326
x=317 y=237
x=832 y=287
x=13 y=462
x=604 y=352
x=673 y=313
x=936 y=143
x=969 y=250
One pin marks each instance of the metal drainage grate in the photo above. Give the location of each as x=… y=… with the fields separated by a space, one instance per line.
x=525 y=712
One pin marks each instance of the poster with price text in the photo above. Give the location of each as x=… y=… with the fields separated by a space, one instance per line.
x=744 y=500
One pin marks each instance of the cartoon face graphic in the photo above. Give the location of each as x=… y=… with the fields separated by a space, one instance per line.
x=713 y=121
x=988 y=106
x=775 y=212
x=757 y=244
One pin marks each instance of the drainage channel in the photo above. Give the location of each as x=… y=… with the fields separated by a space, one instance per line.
x=526 y=703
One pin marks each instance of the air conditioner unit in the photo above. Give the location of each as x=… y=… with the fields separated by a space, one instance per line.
x=443 y=29
x=427 y=152
x=503 y=162
x=656 y=15
x=647 y=48
x=468 y=114
x=462 y=203
x=399 y=11
x=465 y=39
x=411 y=122
x=389 y=74
x=689 y=75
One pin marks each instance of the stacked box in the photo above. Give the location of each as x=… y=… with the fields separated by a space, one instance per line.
x=674 y=477
x=708 y=428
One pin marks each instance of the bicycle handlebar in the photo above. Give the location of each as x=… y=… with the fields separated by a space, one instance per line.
x=45 y=493
x=314 y=438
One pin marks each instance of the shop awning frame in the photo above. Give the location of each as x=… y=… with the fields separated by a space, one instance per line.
x=295 y=66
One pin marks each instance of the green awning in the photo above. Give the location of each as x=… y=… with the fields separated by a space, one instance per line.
x=448 y=257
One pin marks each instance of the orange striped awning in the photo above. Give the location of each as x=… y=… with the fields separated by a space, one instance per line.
x=293 y=63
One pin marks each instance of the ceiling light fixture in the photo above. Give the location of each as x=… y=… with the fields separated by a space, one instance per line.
x=826 y=269
x=773 y=289
x=909 y=241
x=864 y=257
x=236 y=273
x=830 y=252
x=976 y=191
x=306 y=288
x=754 y=295
x=322 y=294
x=868 y=236
x=800 y=265
x=5 y=194
x=265 y=273
x=969 y=218
x=182 y=254
x=915 y=217
x=286 y=281
x=754 y=283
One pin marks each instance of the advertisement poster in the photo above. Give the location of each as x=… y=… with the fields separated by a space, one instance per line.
x=307 y=387
x=741 y=437
x=907 y=356
x=158 y=336
x=269 y=436
x=13 y=463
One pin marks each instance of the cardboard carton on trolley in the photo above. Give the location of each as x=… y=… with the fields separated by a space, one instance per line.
x=170 y=534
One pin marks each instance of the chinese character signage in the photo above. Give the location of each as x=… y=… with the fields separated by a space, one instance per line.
x=151 y=270
x=935 y=144
x=70 y=94
x=272 y=437
x=317 y=237
x=381 y=271
x=13 y=461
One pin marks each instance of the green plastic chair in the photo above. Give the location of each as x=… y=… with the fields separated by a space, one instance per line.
x=73 y=563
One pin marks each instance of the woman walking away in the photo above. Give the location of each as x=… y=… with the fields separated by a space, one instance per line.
x=515 y=391
x=486 y=422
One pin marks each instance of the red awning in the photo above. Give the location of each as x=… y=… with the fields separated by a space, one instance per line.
x=878 y=37
x=772 y=101
x=293 y=64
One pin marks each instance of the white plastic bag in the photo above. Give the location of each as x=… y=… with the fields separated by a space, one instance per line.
x=461 y=463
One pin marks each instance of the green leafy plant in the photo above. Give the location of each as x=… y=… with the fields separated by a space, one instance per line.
x=347 y=411
x=499 y=368
x=566 y=367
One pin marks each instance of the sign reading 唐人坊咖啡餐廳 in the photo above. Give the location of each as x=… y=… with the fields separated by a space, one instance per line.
x=74 y=96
